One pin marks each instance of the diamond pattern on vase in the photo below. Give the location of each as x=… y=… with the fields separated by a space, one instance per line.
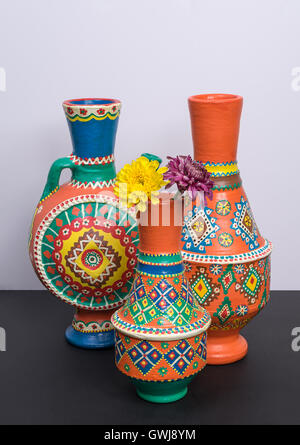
x=224 y=311
x=244 y=225
x=202 y=348
x=204 y=290
x=138 y=290
x=251 y=283
x=180 y=356
x=163 y=295
x=227 y=279
x=144 y=356
x=119 y=347
x=92 y=259
x=199 y=229
x=143 y=311
x=180 y=312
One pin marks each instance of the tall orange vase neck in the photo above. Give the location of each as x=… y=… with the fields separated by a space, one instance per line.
x=215 y=120
x=160 y=227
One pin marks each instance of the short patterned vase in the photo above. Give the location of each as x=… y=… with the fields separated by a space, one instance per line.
x=161 y=329
x=82 y=245
x=227 y=260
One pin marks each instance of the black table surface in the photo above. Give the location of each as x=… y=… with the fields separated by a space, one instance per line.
x=44 y=380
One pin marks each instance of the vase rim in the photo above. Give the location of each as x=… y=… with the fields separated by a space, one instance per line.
x=161 y=334
x=215 y=98
x=91 y=102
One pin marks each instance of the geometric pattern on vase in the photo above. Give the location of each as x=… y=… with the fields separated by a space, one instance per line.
x=92 y=259
x=160 y=360
x=244 y=225
x=200 y=229
x=251 y=282
x=144 y=356
x=234 y=282
x=202 y=348
x=87 y=259
x=181 y=356
x=224 y=311
x=227 y=279
x=162 y=301
x=119 y=348
x=205 y=291
x=223 y=207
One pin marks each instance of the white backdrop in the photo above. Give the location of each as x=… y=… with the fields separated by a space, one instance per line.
x=151 y=54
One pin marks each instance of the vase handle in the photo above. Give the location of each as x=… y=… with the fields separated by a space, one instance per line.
x=152 y=157
x=57 y=167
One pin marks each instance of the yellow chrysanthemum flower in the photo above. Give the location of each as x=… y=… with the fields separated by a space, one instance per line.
x=138 y=182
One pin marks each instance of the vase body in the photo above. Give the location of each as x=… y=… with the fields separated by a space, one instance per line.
x=227 y=260
x=161 y=330
x=82 y=245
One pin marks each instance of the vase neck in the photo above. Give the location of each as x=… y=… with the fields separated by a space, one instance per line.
x=94 y=173
x=93 y=126
x=160 y=227
x=215 y=121
x=159 y=264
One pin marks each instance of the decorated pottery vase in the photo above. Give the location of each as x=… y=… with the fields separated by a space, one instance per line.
x=82 y=245
x=161 y=330
x=227 y=260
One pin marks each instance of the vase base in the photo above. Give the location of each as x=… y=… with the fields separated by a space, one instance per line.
x=226 y=349
x=162 y=392
x=90 y=340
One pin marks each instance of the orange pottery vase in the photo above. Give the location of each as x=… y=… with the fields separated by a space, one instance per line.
x=227 y=260
x=82 y=245
x=161 y=329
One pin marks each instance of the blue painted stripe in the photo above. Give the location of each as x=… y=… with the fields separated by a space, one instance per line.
x=160 y=270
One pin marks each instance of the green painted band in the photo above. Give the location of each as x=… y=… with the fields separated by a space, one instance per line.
x=162 y=392
x=160 y=259
x=82 y=173
x=227 y=187
x=90 y=173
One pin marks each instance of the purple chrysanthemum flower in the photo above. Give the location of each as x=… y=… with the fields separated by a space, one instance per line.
x=189 y=176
